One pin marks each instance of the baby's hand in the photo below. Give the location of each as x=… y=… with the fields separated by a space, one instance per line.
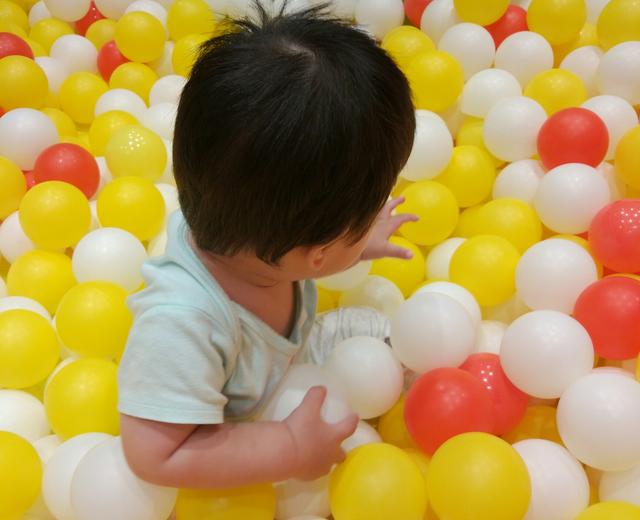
x=317 y=443
x=386 y=225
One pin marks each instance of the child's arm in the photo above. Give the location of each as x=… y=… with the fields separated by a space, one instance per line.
x=234 y=454
x=386 y=225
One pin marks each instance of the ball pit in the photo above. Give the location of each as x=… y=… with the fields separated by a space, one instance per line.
x=515 y=322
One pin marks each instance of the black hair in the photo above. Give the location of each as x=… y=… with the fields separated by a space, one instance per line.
x=290 y=132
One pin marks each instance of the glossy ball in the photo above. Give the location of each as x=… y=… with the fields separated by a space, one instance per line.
x=614 y=236
x=436 y=80
x=627 y=161
x=406 y=274
x=12 y=45
x=122 y=100
x=20 y=475
x=79 y=94
x=556 y=89
x=512 y=219
x=405 y=42
x=618 y=116
x=24 y=84
x=432 y=148
x=484 y=89
x=69 y=163
x=136 y=151
x=13 y=187
x=76 y=52
x=256 y=502
x=524 y=54
x=140 y=37
x=512 y=21
x=137 y=77
x=619 y=22
x=618 y=73
x=24 y=134
x=471 y=45
x=559 y=21
x=109 y=59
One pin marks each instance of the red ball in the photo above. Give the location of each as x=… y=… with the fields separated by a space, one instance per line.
x=614 y=236
x=12 y=45
x=93 y=15
x=446 y=402
x=610 y=311
x=573 y=135
x=109 y=59
x=29 y=179
x=414 y=9
x=512 y=21
x=509 y=402
x=69 y=163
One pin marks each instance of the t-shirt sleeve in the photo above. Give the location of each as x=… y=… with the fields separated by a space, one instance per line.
x=173 y=369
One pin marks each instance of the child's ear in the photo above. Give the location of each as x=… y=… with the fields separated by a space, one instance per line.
x=317 y=257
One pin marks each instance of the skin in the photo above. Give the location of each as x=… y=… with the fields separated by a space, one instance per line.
x=302 y=446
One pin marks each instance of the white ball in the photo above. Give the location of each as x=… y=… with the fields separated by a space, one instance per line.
x=458 y=293
x=167 y=175
x=295 y=384
x=95 y=220
x=438 y=16
x=431 y=331
x=24 y=133
x=3 y=288
x=524 y=54
x=490 y=336
x=552 y=274
x=439 y=258
x=599 y=420
x=112 y=8
x=559 y=485
x=364 y=434
x=369 y=372
x=103 y=477
x=39 y=11
x=485 y=88
x=617 y=114
x=163 y=66
x=617 y=187
x=543 y=352
x=584 y=62
x=471 y=45
x=46 y=447
x=453 y=118
x=511 y=128
x=170 y=195
x=150 y=7
x=167 y=89
x=161 y=118
x=346 y=279
x=105 y=176
x=121 y=99
x=594 y=8
x=379 y=16
x=68 y=10
x=519 y=180
x=76 y=52
x=56 y=479
x=23 y=414
x=55 y=70
x=157 y=245
x=569 y=196
x=432 y=148
x=341 y=8
x=111 y=255
x=621 y=485
x=9 y=303
x=13 y=240
x=377 y=292
x=296 y=498
x=619 y=72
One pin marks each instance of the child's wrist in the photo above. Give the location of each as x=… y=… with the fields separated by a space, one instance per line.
x=291 y=451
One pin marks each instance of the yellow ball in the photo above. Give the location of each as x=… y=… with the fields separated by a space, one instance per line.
x=20 y=475
x=393 y=429
x=406 y=274
x=588 y=36
x=611 y=511
x=436 y=80
x=479 y=476
x=395 y=477
x=559 y=21
x=628 y=159
x=188 y=17
x=471 y=133
x=140 y=36
x=79 y=94
x=619 y=22
x=41 y=275
x=486 y=266
x=13 y=13
x=436 y=208
x=36 y=48
x=101 y=32
x=185 y=53
x=82 y=397
x=405 y=42
x=422 y=461
x=539 y=422
x=467 y=222
x=55 y=215
x=13 y=28
x=93 y=319
x=327 y=300
x=133 y=204
x=12 y=187
x=76 y=139
x=104 y=126
x=63 y=122
x=481 y=13
x=257 y=502
x=47 y=31
x=556 y=89
x=469 y=175
x=512 y=219
x=137 y=77
x=136 y=151
x=29 y=349
x=22 y=83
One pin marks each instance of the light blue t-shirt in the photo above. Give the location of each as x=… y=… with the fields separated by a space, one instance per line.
x=194 y=356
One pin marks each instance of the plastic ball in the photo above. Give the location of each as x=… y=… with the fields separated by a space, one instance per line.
x=556 y=89
x=414 y=9
x=539 y=422
x=101 y=32
x=393 y=429
x=69 y=163
x=469 y=175
x=122 y=100
x=24 y=134
x=163 y=66
x=79 y=94
x=486 y=471
x=256 y=502
x=432 y=330
x=618 y=116
x=109 y=59
x=406 y=274
x=490 y=336
x=161 y=118
x=400 y=485
x=19 y=302
x=627 y=161
x=20 y=474
x=23 y=415
x=432 y=148
x=68 y=10
x=167 y=90
x=24 y=84
x=519 y=180
x=559 y=484
x=439 y=258
x=512 y=219
x=484 y=89
x=459 y=294
x=135 y=151
x=47 y=31
x=608 y=510
x=137 y=77
x=559 y=21
x=379 y=16
x=64 y=124
x=13 y=241
x=471 y=45
x=347 y=279
x=104 y=126
x=76 y=53
x=11 y=11
x=512 y=21
x=405 y=42
x=190 y=17
x=584 y=63
x=481 y=14
x=12 y=45
x=300 y=499
x=39 y=11
x=471 y=133
x=155 y=9
x=620 y=485
x=613 y=235
x=375 y=292
x=112 y=8
x=512 y=126
x=619 y=72
x=552 y=274
x=437 y=17
x=524 y=54
x=55 y=71
x=436 y=79
x=90 y=17
x=619 y=22
x=599 y=420
x=13 y=187
x=185 y=53
x=485 y=265
x=140 y=36
x=364 y=434
x=570 y=196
